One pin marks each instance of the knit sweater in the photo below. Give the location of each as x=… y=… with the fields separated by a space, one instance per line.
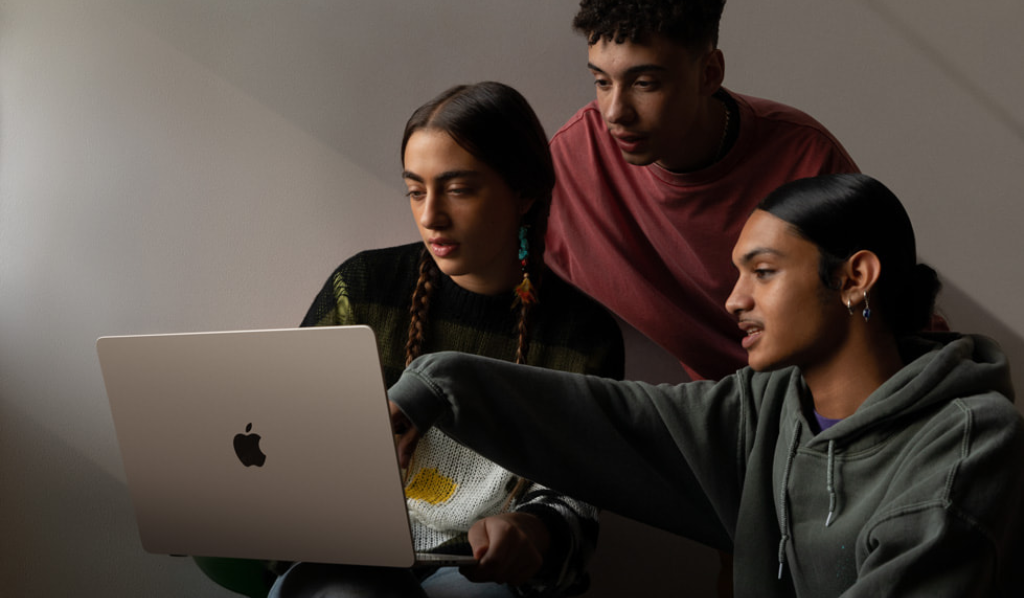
x=919 y=493
x=449 y=487
x=654 y=246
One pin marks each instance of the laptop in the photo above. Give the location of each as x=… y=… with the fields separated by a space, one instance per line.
x=261 y=444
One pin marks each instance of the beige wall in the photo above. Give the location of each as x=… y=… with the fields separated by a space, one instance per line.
x=194 y=164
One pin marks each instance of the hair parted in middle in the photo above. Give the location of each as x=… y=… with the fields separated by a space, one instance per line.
x=496 y=125
x=692 y=24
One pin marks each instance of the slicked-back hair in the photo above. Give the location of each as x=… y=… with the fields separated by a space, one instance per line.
x=846 y=213
x=496 y=125
x=692 y=24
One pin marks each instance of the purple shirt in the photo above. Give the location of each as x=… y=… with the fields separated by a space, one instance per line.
x=825 y=423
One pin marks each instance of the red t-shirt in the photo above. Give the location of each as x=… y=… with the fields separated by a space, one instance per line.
x=655 y=246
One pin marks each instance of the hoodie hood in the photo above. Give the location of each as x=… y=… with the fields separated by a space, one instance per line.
x=940 y=367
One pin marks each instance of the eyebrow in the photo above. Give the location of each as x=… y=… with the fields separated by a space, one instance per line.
x=753 y=253
x=633 y=70
x=444 y=176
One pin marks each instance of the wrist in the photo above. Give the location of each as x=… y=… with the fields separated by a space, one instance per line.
x=556 y=541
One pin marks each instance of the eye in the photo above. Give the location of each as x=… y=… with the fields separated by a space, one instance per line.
x=763 y=273
x=601 y=83
x=646 y=84
x=415 y=194
x=461 y=190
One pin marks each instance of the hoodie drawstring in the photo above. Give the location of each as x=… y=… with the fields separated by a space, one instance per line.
x=829 y=481
x=784 y=499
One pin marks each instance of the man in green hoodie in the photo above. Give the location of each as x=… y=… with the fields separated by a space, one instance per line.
x=850 y=457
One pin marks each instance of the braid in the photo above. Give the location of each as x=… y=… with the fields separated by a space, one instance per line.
x=522 y=328
x=420 y=305
x=527 y=308
x=538 y=228
x=535 y=268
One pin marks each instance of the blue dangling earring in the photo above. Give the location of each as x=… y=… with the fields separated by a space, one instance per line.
x=525 y=292
x=867 y=308
x=524 y=243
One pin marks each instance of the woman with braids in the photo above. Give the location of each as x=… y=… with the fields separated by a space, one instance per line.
x=479 y=179
x=853 y=456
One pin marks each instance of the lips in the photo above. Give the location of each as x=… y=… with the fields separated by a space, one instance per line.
x=753 y=333
x=442 y=247
x=629 y=143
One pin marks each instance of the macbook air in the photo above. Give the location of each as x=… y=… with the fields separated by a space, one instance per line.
x=263 y=444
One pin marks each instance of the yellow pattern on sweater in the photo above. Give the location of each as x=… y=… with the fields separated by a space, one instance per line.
x=431 y=486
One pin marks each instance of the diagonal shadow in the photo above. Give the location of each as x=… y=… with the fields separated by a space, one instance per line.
x=69 y=526
x=960 y=78
x=318 y=65
x=964 y=314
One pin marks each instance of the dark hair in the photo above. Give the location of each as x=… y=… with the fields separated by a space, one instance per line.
x=495 y=124
x=692 y=24
x=846 y=213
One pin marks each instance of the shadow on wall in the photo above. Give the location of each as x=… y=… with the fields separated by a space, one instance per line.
x=964 y=314
x=636 y=559
x=964 y=79
x=298 y=59
x=62 y=497
x=633 y=559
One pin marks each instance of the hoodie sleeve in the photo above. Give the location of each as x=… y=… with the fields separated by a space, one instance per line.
x=669 y=456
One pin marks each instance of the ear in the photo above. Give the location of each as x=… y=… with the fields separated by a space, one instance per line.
x=858 y=276
x=713 y=72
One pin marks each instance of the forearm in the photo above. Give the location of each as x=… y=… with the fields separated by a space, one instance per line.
x=602 y=441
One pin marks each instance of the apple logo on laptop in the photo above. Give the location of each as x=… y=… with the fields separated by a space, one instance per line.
x=247 y=447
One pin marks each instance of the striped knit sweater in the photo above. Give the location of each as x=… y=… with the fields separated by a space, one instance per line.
x=449 y=487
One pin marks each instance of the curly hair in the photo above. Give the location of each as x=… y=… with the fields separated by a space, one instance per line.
x=690 y=23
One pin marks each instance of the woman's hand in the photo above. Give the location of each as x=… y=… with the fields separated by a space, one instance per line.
x=510 y=548
x=406 y=435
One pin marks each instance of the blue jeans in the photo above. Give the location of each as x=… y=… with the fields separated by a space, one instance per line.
x=447 y=582
x=311 y=580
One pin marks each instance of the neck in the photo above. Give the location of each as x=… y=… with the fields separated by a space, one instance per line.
x=841 y=385
x=705 y=145
x=494 y=283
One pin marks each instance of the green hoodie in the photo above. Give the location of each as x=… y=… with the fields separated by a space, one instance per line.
x=920 y=492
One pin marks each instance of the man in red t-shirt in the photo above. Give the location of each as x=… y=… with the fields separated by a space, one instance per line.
x=657 y=175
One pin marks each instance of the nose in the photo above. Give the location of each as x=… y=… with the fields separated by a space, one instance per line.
x=618 y=109
x=432 y=213
x=739 y=299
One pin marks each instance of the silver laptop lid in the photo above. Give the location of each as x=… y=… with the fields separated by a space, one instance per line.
x=265 y=444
